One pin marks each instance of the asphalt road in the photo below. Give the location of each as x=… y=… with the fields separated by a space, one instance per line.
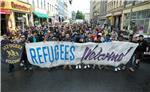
x=40 y=80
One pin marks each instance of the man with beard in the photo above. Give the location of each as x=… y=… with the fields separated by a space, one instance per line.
x=143 y=47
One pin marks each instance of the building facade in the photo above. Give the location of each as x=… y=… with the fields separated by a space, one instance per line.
x=103 y=12
x=98 y=11
x=14 y=14
x=94 y=10
x=132 y=15
x=114 y=13
x=137 y=15
x=66 y=11
x=87 y=17
x=48 y=11
x=61 y=10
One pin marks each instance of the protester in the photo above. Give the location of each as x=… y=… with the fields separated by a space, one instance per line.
x=67 y=38
x=27 y=65
x=34 y=37
x=8 y=40
x=114 y=35
x=143 y=47
x=79 y=33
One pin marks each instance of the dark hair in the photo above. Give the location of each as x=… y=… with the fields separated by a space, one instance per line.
x=141 y=36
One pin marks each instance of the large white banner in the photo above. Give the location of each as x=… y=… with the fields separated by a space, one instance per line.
x=50 y=54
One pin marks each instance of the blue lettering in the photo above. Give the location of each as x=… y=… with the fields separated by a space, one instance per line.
x=61 y=52
x=56 y=53
x=50 y=54
x=72 y=50
x=66 y=52
x=45 y=54
x=39 y=56
x=33 y=55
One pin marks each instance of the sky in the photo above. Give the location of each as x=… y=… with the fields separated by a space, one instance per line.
x=82 y=5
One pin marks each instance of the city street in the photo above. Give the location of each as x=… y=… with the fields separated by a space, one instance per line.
x=41 y=80
x=75 y=45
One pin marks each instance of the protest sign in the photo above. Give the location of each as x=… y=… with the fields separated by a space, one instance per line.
x=55 y=53
x=11 y=53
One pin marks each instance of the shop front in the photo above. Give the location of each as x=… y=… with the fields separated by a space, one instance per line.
x=14 y=14
x=5 y=12
x=21 y=13
x=139 y=19
x=40 y=17
x=117 y=20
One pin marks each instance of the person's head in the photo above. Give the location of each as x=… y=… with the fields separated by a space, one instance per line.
x=63 y=34
x=107 y=36
x=67 y=35
x=34 y=33
x=81 y=40
x=141 y=37
x=135 y=38
x=130 y=37
x=23 y=38
x=99 y=35
x=5 y=36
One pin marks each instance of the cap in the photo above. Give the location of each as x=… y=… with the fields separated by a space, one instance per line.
x=136 y=35
x=100 y=34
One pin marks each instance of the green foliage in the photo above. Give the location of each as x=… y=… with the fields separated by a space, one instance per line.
x=79 y=15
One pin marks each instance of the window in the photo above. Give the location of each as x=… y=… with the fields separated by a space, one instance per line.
x=33 y=3
x=44 y=4
x=41 y=4
x=146 y=24
x=120 y=3
x=38 y=3
x=134 y=15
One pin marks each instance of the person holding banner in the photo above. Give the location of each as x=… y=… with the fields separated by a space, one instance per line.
x=143 y=47
x=5 y=41
x=67 y=38
x=27 y=65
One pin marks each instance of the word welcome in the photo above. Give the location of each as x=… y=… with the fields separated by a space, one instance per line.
x=90 y=54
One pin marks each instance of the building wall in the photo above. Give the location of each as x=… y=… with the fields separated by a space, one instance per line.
x=16 y=6
x=140 y=15
x=66 y=5
x=95 y=10
x=87 y=17
x=61 y=9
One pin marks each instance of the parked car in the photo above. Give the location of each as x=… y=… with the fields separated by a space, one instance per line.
x=146 y=56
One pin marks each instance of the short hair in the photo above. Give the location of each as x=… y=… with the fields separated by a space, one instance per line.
x=141 y=36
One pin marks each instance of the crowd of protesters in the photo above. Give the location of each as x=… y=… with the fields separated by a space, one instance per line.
x=79 y=33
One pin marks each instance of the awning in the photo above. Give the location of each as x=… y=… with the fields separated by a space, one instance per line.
x=117 y=13
x=40 y=15
x=108 y=15
x=5 y=11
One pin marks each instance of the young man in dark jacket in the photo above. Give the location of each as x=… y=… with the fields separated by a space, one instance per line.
x=143 y=47
x=27 y=65
x=6 y=40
